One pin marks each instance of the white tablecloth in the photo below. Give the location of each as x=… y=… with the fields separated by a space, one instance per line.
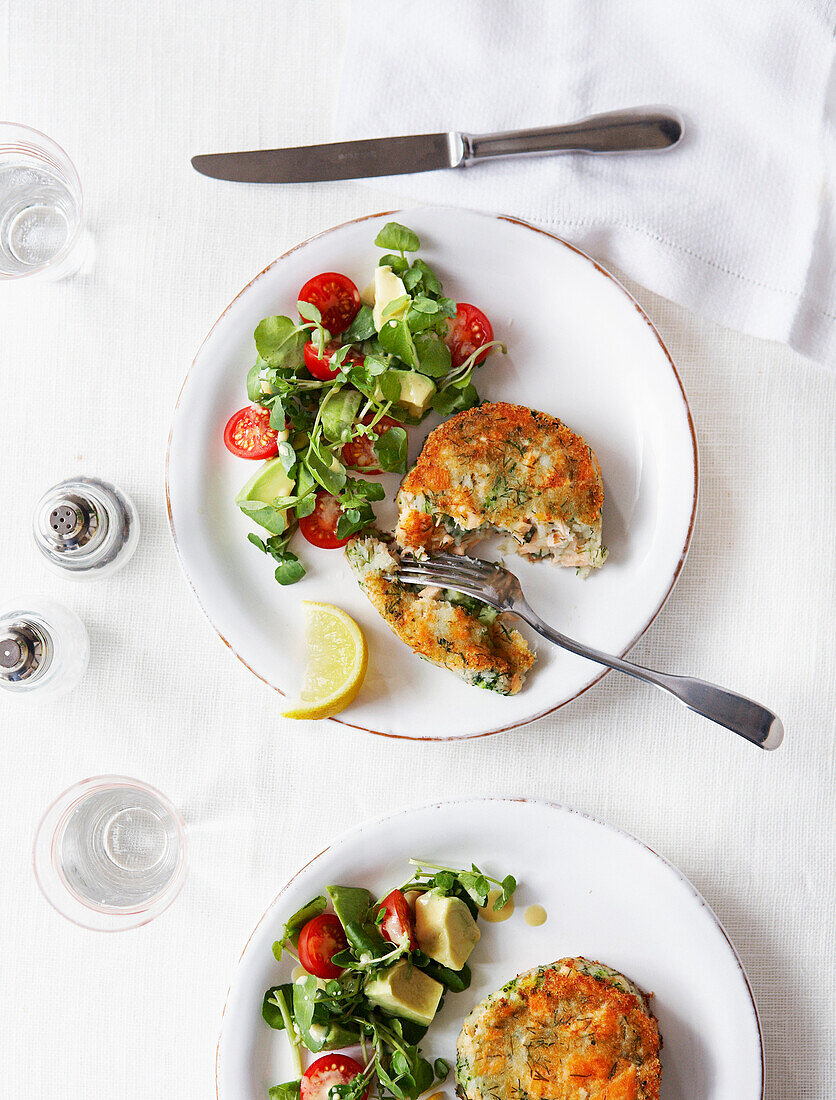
x=89 y=372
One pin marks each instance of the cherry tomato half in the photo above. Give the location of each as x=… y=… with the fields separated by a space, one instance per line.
x=320 y=527
x=248 y=433
x=360 y=454
x=320 y=366
x=336 y=298
x=319 y=940
x=329 y=1070
x=466 y=332
x=398 y=924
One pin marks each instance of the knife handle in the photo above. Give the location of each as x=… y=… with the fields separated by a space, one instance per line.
x=639 y=130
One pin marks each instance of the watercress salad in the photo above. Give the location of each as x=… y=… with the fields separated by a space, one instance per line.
x=372 y=974
x=333 y=392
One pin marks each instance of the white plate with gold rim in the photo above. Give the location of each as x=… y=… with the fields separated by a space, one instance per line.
x=607 y=897
x=579 y=347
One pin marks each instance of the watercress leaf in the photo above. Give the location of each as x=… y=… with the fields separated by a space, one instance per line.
x=429 y=279
x=397 y=238
x=309 y=311
x=395 y=308
x=391 y=450
x=509 y=885
x=362 y=379
x=433 y=355
x=256 y=541
x=421 y=322
x=441 y=1069
x=390 y=387
x=445 y=882
x=265 y=515
x=279 y=341
x=270 y=1010
x=387 y=1081
x=399 y=264
x=257 y=386
x=339 y=413
x=289 y=570
x=400 y=1063
x=305 y=492
x=361 y=328
x=425 y=305
x=287 y=456
x=448 y=307
x=422 y=1075
x=304 y=1000
x=412 y=278
x=329 y=472
x=454 y=400
x=278 y=420
x=290 y=1090
x=396 y=338
x=352 y=520
x=375 y=365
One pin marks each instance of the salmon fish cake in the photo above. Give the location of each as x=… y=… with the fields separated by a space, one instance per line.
x=461 y=635
x=507 y=468
x=575 y=1030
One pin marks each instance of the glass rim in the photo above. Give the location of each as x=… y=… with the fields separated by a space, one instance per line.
x=124 y=919
x=71 y=170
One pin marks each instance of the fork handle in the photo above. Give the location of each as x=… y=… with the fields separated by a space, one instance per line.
x=741 y=715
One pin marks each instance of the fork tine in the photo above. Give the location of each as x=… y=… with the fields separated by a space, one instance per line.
x=457 y=586
x=436 y=574
x=461 y=561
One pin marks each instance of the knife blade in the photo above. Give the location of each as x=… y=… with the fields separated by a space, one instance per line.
x=638 y=130
x=339 y=160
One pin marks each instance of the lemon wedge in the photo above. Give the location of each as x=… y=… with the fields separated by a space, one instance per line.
x=337 y=660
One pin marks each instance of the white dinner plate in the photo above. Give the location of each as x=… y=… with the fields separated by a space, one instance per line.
x=579 y=347
x=607 y=896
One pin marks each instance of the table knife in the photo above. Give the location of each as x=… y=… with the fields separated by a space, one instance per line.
x=640 y=130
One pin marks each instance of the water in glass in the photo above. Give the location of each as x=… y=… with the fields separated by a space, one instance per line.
x=119 y=848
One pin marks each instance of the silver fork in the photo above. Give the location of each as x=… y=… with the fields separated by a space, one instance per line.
x=495 y=586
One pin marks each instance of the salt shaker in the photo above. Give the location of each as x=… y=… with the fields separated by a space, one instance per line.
x=86 y=528
x=43 y=648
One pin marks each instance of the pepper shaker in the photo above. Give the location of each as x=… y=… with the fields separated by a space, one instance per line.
x=86 y=528
x=43 y=648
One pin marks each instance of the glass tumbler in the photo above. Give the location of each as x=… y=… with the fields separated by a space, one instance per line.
x=40 y=206
x=110 y=853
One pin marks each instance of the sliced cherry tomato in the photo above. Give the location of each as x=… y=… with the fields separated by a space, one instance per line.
x=320 y=527
x=319 y=940
x=329 y=1070
x=320 y=366
x=398 y=924
x=336 y=298
x=466 y=332
x=248 y=433
x=360 y=454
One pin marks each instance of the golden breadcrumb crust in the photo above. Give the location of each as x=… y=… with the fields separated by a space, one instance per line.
x=558 y=1033
x=489 y=655
x=504 y=466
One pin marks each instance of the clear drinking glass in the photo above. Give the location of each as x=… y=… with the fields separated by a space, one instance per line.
x=110 y=853
x=40 y=206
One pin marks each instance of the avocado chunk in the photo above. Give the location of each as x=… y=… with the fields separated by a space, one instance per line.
x=268 y=483
x=404 y=990
x=388 y=287
x=417 y=391
x=445 y=929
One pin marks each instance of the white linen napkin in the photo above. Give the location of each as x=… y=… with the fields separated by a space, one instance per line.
x=738 y=223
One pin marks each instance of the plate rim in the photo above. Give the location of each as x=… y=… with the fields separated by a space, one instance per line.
x=513 y=220
x=562 y=807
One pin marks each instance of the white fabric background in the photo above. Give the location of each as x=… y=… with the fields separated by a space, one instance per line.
x=89 y=372
x=738 y=223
